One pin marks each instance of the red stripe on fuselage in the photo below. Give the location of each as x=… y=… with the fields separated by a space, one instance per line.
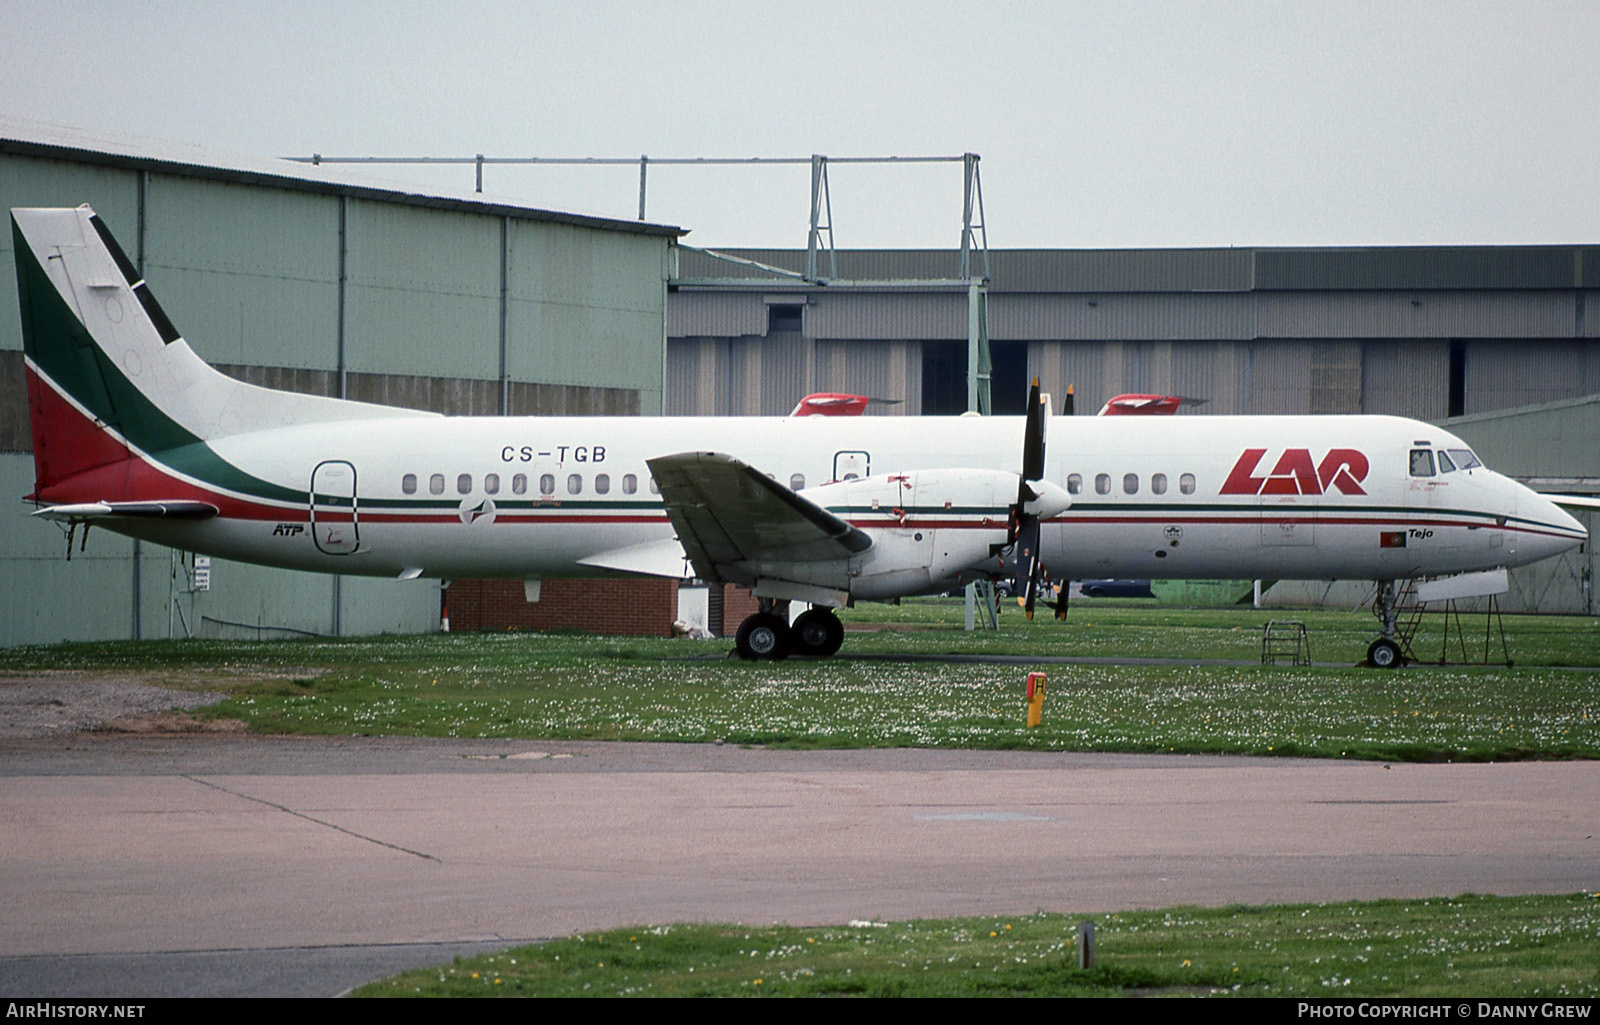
x=82 y=461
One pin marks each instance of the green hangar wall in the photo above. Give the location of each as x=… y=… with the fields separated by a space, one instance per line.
x=293 y=278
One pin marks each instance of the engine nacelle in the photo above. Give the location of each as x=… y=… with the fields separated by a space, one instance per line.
x=931 y=529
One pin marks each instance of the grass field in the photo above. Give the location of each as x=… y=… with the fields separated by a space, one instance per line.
x=880 y=692
x=1467 y=946
x=581 y=687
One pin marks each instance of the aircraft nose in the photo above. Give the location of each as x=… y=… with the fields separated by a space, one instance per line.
x=1549 y=529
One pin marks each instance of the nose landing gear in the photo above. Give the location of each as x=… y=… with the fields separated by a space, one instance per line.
x=1387 y=652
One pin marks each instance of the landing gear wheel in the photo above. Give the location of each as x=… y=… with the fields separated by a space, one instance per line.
x=1383 y=654
x=818 y=632
x=763 y=635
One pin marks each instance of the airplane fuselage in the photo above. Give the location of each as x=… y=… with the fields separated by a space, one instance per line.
x=1198 y=497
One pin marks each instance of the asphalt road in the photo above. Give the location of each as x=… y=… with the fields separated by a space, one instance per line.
x=242 y=865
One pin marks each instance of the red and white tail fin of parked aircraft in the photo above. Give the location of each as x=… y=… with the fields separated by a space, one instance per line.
x=134 y=432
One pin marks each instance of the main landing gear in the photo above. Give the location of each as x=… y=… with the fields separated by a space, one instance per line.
x=818 y=632
x=767 y=634
x=1385 y=652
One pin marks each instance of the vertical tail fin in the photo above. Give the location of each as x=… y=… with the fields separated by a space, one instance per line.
x=109 y=376
x=104 y=374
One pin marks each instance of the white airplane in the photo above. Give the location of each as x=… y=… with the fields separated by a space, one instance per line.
x=134 y=432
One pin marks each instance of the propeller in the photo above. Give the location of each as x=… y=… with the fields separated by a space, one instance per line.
x=1022 y=530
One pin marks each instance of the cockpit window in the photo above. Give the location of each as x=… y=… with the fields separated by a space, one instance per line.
x=1464 y=459
x=1422 y=462
x=1445 y=465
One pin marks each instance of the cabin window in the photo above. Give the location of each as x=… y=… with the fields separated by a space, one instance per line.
x=1186 y=483
x=436 y=484
x=654 y=490
x=547 y=484
x=574 y=483
x=797 y=482
x=519 y=484
x=1464 y=459
x=1445 y=465
x=1158 y=483
x=464 y=484
x=1102 y=483
x=602 y=483
x=491 y=483
x=1130 y=484
x=1074 y=483
x=630 y=484
x=1422 y=462
x=408 y=483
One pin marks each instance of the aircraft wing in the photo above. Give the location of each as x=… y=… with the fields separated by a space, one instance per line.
x=730 y=515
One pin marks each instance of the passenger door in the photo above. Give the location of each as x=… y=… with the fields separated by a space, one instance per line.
x=335 y=526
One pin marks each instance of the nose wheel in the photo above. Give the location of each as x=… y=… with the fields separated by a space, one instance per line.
x=1383 y=654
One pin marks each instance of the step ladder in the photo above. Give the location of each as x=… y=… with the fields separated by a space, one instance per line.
x=1285 y=638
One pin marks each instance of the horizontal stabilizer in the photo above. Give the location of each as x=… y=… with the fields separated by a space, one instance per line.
x=177 y=509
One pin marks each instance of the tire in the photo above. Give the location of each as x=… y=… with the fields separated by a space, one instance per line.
x=763 y=635
x=817 y=632
x=1384 y=654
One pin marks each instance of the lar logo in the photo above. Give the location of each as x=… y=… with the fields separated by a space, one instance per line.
x=1295 y=474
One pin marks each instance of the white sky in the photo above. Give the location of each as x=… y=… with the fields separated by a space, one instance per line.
x=1101 y=124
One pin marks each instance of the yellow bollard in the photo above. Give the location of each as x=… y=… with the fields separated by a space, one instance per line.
x=1035 y=698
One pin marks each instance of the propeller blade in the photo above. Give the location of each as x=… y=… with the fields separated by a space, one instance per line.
x=1026 y=583
x=1033 y=437
x=1023 y=527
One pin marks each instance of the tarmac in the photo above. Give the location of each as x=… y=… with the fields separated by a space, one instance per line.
x=243 y=865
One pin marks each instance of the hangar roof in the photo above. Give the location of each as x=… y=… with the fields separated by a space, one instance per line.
x=48 y=139
x=1240 y=269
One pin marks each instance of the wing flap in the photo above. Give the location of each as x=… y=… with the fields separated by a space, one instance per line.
x=729 y=514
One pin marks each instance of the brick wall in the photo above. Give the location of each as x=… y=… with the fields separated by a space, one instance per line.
x=737 y=603
x=639 y=608
x=635 y=608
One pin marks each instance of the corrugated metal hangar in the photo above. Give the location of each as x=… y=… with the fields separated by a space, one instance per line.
x=1428 y=333
x=291 y=277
